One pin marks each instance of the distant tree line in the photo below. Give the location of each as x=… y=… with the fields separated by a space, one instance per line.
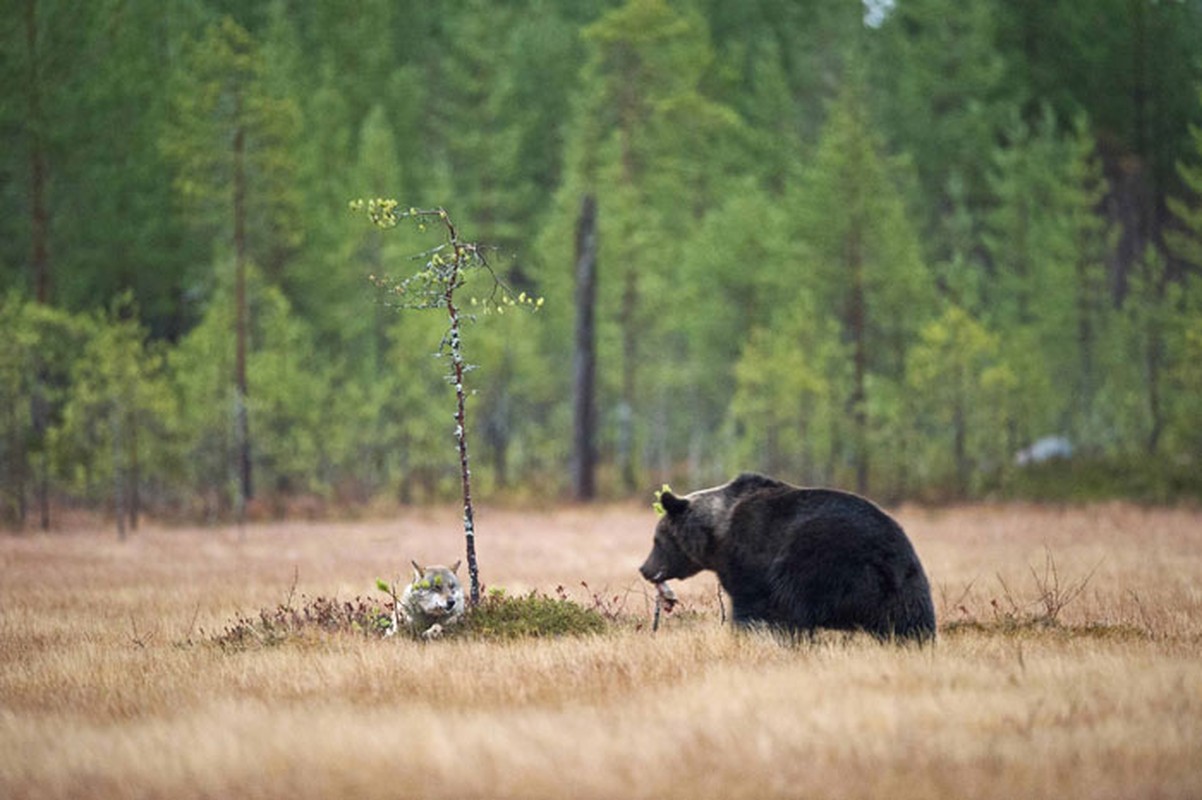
x=880 y=250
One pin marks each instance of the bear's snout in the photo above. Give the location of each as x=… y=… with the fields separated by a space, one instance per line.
x=651 y=572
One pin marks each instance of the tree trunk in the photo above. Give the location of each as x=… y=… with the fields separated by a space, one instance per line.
x=40 y=418
x=1153 y=359
x=1085 y=340
x=16 y=467
x=584 y=406
x=119 y=477
x=856 y=323
x=465 y=473
x=39 y=253
x=241 y=418
x=630 y=338
x=960 y=442
x=39 y=177
x=134 y=478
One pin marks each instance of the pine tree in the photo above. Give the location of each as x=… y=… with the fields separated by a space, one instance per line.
x=37 y=353
x=118 y=413
x=230 y=142
x=288 y=407
x=785 y=411
x=656 y=153
x=1186 y=243
x=864 y=262
x=939 y=81
x=953 y=373
x=1049 y=251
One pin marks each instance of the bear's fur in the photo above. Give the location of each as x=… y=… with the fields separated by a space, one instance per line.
x=796 y=559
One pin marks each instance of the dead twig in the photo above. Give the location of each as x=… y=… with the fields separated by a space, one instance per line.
x=665 y=600
x=139 y=640
x=1055 y=595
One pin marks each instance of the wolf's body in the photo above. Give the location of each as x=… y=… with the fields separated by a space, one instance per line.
x=430 y=603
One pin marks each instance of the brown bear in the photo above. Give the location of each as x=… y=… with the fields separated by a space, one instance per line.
x=796 y=559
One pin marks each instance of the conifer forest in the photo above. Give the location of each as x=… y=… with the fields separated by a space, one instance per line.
x=928 y=250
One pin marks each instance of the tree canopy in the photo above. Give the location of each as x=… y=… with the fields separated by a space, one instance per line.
x=885 y=246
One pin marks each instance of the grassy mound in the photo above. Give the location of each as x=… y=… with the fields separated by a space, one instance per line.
x=498 y=616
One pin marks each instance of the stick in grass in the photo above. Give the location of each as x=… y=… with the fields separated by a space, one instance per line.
x=665 y=600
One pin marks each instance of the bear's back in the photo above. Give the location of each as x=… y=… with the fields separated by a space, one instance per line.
x=779 y=513
x=827 y=558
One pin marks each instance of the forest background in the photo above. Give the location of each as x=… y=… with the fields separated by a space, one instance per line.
x=884 y=246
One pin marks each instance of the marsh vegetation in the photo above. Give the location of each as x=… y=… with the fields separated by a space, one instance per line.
x=111 y=683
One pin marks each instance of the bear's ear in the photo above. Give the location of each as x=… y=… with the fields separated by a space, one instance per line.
x=673 y=505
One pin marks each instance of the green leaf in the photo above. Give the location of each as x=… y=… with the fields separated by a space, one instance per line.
x=657 y=505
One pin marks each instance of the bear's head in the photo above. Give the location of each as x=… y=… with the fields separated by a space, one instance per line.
x=692 y=529
x=685 y=535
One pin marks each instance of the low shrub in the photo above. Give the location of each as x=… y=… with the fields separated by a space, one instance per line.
x=500 y=616
x=320 y=615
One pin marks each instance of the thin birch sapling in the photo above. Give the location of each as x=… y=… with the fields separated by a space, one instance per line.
x=446 y=268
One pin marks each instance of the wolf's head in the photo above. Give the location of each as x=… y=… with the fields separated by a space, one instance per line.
x=435 y=594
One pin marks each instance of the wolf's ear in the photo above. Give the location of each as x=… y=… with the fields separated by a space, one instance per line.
x=672 y=504
x=455 y=567
x=417 y=571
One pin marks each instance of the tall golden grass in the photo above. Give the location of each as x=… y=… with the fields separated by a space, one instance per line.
x=110 y=687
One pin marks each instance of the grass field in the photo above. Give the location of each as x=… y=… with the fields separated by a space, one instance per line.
x=110 y=685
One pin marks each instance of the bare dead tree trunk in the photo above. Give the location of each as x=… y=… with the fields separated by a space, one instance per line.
x=584 y=455
x=457 y=368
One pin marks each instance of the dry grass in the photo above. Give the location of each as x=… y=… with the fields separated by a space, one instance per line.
x=102 y=695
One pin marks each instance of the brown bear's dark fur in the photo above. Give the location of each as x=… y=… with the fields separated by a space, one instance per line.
x=797 y=559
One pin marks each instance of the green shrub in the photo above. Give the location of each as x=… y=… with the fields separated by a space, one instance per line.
x=499 y=616
x=1080 y=480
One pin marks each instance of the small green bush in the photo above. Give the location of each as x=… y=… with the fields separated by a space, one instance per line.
x=499 y=616
x=1082 y=480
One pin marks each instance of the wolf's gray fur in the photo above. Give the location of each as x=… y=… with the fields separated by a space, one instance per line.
x=430 y=603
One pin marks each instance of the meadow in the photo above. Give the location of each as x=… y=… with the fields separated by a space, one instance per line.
x=1069 y=664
